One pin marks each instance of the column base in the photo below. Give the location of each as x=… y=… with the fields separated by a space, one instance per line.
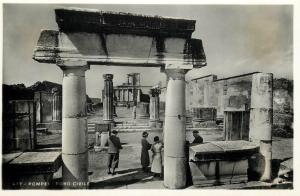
x=175 y=172
x=143 y=116
x=200 y=123
x=155 y=123
x=111 y=122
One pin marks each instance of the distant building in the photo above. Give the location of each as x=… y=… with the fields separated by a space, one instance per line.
x=131 y=92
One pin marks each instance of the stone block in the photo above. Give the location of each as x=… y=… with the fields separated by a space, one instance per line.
x=31 y=170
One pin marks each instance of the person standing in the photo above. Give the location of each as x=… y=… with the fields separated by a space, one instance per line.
x=114 y=146
x=156 y=166
x=145 y=160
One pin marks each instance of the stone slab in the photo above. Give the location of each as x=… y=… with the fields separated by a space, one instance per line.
x=36 y=163
x=222 y=150
x=6 y=158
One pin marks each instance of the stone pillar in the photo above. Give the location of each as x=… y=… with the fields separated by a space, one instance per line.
x=261 y=120
x=154 y=107
x=138 y=95
x=206 y=94
x=174 y=130
x=56 y=105
x=123 y=95
x=74 y=125
x=128 y=95
x=108 y=99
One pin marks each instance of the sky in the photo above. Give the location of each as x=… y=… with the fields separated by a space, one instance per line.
x=237 y=39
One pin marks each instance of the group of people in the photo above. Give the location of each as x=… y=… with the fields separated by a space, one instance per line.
x=156 y=148
x=114 y=146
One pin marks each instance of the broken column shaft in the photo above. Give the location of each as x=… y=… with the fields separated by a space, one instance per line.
x=174 y=130
x=261 y=119
x=74 y=126
x=108 y=99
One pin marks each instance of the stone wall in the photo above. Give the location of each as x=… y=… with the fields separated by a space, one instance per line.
x=19 y=125
x=234 y=94
x=228 y=93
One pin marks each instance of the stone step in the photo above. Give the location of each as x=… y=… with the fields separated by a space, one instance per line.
x=138 y=130
x=131 y=127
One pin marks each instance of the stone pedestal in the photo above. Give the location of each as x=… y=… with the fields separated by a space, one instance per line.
x=174 y=130
x=143 y=110
x=261 y=121
x=108 y=99
x=30 y=170
x=74 y=126
x=220 y=162
x=154 y=108
x=56 y=105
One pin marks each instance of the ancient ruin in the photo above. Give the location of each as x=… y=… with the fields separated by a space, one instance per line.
x=235 y=116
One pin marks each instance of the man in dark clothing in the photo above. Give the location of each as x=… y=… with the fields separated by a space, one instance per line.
x=198 y=139
x=145 y=160
x=114 y=146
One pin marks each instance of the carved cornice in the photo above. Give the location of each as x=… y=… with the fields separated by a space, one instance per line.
x=95 y=21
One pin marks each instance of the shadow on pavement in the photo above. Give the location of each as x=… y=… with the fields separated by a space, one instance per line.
x=121 y=179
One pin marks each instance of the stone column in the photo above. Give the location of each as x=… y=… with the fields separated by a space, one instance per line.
x=123 y=95
x=154 y=107
x=128 y=95
x=174 y=130
x=261 y=120
x=74 y=125
x=108 y=99
x=143 y=110
x=206 y=94
x=56 y=105
x=138 y=95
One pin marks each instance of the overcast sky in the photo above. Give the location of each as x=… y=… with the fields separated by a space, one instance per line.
x=237 y=39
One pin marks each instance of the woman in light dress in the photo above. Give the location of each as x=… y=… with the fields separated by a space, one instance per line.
x=156 y=166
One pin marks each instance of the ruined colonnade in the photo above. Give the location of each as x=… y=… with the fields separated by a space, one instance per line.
x=88 y=37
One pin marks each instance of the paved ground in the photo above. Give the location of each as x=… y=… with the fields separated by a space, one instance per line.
x=129 y=174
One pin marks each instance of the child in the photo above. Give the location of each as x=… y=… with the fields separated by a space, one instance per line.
x=156 y=148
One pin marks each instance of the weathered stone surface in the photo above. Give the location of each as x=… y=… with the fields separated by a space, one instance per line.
x=224 y=150
x=78 y=19
x=36 y=162
x=92 y=36
x=174 y=131
x=212 y=173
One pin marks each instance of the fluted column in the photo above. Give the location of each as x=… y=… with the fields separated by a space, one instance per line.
x=261 y=120
x=108 y=98
x=56 y=105
x=74 y=125
x=154 y=107
x=174 y=130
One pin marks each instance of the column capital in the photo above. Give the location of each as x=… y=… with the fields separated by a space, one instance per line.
x=176 y=74
x=55 y=91
x=154 y=92
x=108 y=76
x=72 y=64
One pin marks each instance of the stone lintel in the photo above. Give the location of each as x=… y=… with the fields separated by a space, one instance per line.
x=96 y=49
x=96 y=21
